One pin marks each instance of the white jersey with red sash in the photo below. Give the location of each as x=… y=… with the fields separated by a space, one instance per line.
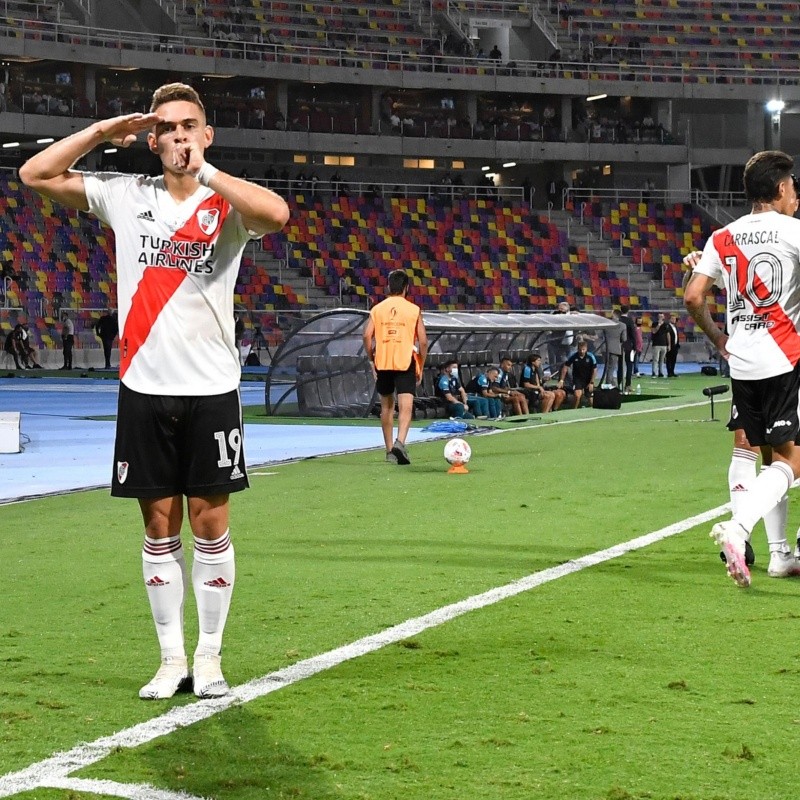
x=177 y=265
x=757 y=260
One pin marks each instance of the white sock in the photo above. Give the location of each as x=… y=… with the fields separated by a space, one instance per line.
x=741 y=473
x=164 y=571
x=213 y=576
x=764 y=493
x=775 y=525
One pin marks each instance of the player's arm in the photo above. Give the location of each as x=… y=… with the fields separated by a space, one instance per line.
x=262 y=210
x=50 y=171
x=694 y=298
x=422 y=338
x=368 y=337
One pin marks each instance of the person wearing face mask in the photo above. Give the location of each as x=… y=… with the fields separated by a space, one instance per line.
x=449 y=388
x=179 y=447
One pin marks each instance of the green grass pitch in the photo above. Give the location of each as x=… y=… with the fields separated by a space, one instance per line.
x=648 y=676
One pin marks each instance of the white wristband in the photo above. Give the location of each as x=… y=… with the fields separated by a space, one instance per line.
x=206 y=173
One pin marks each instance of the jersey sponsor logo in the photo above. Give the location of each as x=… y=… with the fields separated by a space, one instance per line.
x=781 y=423
x=208 y=220
x=147 y=216
x=122 y=471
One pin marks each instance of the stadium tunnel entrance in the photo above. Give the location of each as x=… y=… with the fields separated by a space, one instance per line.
x=321 y=370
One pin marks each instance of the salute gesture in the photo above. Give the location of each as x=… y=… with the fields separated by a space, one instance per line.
x=122 y=131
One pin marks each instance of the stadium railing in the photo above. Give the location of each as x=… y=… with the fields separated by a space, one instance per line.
x=32 y=32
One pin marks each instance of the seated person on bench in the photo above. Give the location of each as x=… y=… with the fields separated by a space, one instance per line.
x=533 y=382
x=480 y=385
x=512 y=398
x=449 y=388
x=584 y=370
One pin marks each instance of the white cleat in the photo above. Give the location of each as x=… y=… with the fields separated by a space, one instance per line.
x=731 y=536
x=783 y=565
x=172 y=676
x=208 y=678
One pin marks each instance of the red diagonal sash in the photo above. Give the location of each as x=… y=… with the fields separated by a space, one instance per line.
x=159 y=283
x=783 y=332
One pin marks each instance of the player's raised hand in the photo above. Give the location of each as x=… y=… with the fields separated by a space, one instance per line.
x=122 y=131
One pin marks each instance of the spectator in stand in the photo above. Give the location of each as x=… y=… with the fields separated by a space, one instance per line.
x=533 y=384
x=584 y=371
x=495 y=54
x=660 y=345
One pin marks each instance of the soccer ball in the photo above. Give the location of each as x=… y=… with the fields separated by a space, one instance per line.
x=457 y=451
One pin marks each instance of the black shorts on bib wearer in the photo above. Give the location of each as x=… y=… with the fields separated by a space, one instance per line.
x=168 y=445
x=390 y=381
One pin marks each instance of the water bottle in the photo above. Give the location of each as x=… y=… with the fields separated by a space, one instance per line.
x=638 y=388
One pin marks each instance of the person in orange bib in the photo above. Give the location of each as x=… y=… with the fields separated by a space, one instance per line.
x=396 y=344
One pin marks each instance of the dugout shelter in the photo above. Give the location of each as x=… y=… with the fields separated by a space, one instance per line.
x=321 y=369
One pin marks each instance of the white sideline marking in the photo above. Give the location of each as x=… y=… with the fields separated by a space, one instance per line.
x=54 y=771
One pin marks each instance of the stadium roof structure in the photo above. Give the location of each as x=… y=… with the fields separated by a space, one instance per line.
x=321 y=369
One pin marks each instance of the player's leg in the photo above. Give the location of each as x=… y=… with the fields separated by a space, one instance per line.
x=405 y=411
x=759 y=405
x=145 y=468
x=405 y=384
x=212 y=449
x=213 y=578
x=577 y=397
x=387 y=420
x=164 y=573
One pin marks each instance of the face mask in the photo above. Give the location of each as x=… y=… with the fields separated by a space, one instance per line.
x=454 y=372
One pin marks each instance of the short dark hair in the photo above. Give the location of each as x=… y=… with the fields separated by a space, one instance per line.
x=170 y=92
x=398 y=281
x=763 y=172
x=624 y=308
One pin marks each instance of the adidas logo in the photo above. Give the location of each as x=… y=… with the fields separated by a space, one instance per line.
x=217 y=583
x=147 y=216
x=237 y=473
x=739 y=488
x=156 y=581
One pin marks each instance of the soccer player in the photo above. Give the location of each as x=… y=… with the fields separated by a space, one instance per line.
x=396 y=345
x=742 y=471
x=179 y=241
x=757 y=259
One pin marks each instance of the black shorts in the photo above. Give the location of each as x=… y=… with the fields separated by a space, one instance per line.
x=178 y=445
x=390 y=381
x=767 y=409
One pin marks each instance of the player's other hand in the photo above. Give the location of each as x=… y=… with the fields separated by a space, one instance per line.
x=187 y=157
x=122 y=131
x=693 y=259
